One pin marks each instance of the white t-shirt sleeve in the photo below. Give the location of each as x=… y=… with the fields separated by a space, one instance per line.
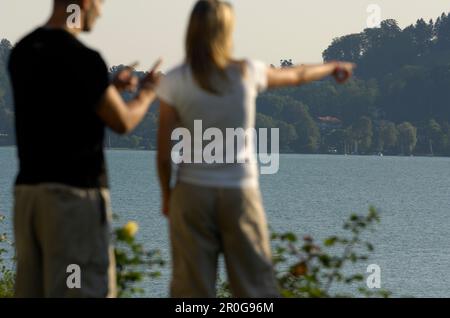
x=166 y=89
x=258 y=71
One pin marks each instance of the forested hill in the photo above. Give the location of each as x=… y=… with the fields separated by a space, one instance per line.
x=398 y=103
x=6 y=103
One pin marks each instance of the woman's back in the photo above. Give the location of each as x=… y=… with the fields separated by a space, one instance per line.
x=220 y=116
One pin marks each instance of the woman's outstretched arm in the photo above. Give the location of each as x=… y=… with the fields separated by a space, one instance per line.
x=303 y=74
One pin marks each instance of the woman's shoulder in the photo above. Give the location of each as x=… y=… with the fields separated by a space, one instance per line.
x=255 y=71
x=177 y=71
x=255 y=64
x=248 y=64
x=174 y=78
x=172 y=83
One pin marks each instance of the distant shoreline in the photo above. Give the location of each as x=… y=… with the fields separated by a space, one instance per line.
x=284 y=153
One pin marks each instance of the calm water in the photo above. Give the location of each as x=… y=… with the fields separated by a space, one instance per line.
x=314 y=195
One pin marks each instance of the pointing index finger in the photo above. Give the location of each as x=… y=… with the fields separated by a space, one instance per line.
x=133 y=65
x=156 y=66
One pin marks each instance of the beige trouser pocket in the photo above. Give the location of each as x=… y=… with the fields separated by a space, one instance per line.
x=57 y=226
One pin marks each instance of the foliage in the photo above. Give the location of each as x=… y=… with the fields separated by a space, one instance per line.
x=363 y=133
x=6 y=115
x=133 y=262
x=7 y=276
x=403 y=75
x=388 y=136
x=407 y=137
x=306 y=269
x=317 y=268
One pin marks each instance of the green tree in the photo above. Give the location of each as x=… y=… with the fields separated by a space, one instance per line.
x=340 y=139
x=288 y=134
x=363 y=133
x=422 y=34
x=388 y=136
x=308 y=135
x=435 y=136
x=5 y=93
x=407 y=138
x=442 y=31
x=346 y=48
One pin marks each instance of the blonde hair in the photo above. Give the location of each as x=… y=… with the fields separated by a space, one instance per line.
x=209 y=41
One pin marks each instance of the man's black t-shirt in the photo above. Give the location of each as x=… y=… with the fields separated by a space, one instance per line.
x=58 y=83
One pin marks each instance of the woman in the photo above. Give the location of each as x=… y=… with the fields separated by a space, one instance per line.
x=216 y=207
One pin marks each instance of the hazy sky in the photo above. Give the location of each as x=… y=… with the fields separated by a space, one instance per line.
x=142 y=30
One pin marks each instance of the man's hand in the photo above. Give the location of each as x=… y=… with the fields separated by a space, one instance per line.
x=343 y=71
x=125 y=80
x=152 y=78
x=121 y=116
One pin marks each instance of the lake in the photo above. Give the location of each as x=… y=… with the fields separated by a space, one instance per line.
x=314 y=195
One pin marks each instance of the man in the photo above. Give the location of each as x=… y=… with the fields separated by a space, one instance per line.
x=63 y=101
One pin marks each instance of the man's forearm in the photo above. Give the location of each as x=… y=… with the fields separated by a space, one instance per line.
x=138 y=108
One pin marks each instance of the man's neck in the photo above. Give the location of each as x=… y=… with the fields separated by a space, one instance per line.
x=56 y=22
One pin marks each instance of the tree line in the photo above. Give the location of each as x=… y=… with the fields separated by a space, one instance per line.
x=6 y=103
x=397 y=104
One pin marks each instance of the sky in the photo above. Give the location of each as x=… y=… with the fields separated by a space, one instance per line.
x=269 y=30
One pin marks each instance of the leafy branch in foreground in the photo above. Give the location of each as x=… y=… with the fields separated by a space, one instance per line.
x=303 y=267
x=306 y=269
x=133 y=262
x=316 y=270
x=7 y=276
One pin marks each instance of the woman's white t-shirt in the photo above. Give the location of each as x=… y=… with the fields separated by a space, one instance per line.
x=200 y=111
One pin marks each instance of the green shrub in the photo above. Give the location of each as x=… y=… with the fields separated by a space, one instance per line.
x=6 y=274
x=133 y=262
x=306 y=269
